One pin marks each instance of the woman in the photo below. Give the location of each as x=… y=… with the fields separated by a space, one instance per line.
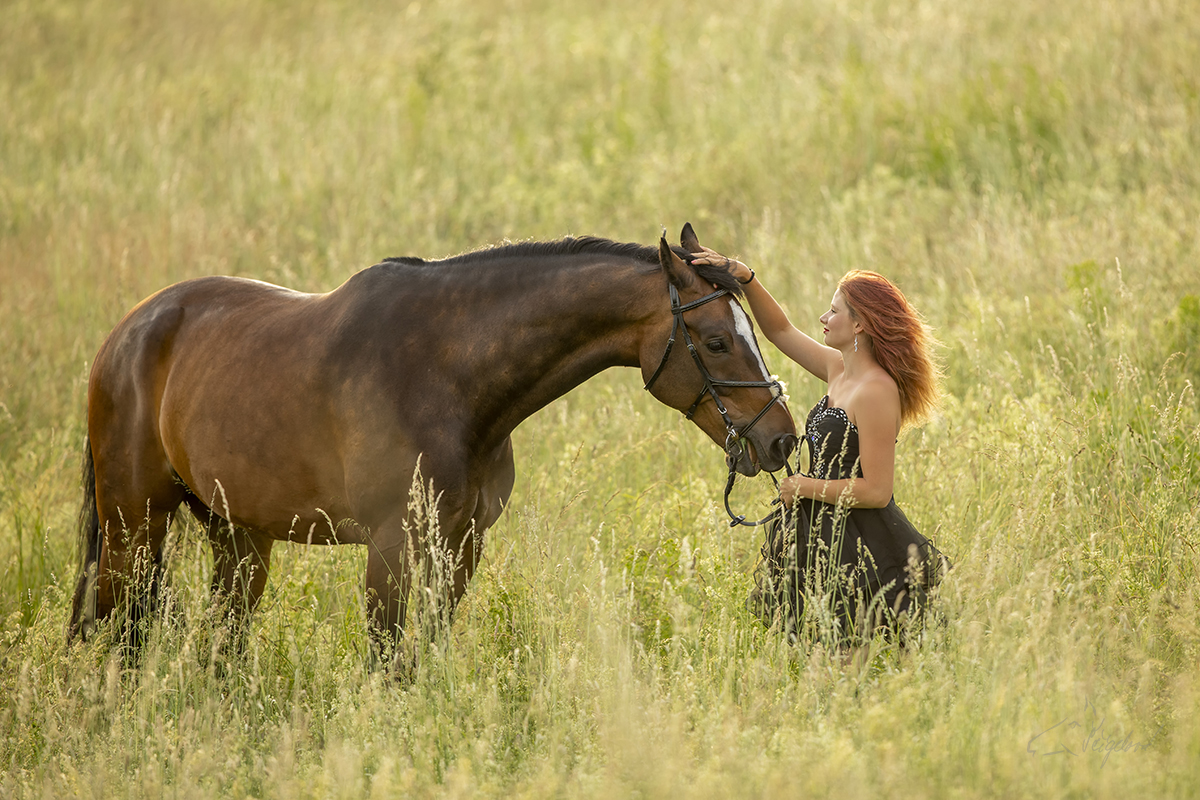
x=842 y=542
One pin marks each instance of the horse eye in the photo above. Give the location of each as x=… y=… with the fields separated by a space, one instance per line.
x=716 y=346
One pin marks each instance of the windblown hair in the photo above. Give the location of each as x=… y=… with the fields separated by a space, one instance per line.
x=900 y=339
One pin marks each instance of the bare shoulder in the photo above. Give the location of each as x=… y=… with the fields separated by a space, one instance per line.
x=881 y=386
x=876 y=402
x=881 y=398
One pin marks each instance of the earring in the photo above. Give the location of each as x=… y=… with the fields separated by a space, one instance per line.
x=856 y=342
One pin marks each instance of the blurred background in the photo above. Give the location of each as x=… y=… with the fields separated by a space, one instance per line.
x=1028 y=174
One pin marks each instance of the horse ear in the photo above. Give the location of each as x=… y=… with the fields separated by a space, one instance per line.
x=672 y=265
x=688 y=239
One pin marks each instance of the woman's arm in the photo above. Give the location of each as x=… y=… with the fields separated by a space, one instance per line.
x=878 y=423
x=773 y=321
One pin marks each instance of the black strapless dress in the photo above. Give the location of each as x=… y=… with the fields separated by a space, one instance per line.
x=859 y=568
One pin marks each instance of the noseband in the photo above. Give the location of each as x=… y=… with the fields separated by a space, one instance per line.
x=733 y=437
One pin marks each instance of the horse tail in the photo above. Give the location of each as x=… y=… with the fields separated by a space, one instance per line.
x=83 y=603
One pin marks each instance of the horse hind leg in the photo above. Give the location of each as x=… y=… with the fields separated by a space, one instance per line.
x=241 y=562
x=132 y=482
x=129 y=570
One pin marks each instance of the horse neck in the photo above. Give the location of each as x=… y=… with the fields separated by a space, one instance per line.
x=549 y=329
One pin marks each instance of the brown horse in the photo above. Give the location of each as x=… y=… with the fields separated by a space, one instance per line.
x=277 y=415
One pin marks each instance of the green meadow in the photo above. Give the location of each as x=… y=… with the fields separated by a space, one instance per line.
x=1028 y=173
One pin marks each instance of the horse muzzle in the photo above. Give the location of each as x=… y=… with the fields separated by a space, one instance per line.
x=749 y=454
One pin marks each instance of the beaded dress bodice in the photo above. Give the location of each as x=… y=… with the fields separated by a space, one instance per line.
x=832 y=443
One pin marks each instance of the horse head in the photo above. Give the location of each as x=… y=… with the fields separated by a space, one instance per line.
x=703 y=359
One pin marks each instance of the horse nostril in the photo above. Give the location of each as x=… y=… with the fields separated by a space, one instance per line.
x=784 y=445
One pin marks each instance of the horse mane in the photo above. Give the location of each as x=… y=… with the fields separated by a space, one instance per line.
x=571 y=245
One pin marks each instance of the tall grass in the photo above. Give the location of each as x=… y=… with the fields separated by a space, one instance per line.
x=1027 y=174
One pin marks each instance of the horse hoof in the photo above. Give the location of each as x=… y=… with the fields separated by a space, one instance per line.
x=406 y=662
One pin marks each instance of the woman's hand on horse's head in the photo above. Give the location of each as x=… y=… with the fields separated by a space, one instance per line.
x=709 y=256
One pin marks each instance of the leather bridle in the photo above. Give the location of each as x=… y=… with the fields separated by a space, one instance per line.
x=733 y=437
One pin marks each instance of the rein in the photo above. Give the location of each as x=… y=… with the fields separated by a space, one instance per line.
x=733 y=437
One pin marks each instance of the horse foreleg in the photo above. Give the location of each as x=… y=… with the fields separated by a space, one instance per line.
x=436 y=571
x=457 y=568
x=390 y=559
x=440 y=560
x=489 y=505
x=466 y=548
x=241 y=561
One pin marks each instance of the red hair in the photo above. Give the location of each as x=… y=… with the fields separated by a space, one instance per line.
x=900 y=340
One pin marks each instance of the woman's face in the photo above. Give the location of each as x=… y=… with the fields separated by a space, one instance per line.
x=840 y=326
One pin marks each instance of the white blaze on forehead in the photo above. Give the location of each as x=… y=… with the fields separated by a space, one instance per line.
x=741 y=324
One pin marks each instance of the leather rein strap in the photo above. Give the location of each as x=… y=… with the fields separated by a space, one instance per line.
x=733 y=437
